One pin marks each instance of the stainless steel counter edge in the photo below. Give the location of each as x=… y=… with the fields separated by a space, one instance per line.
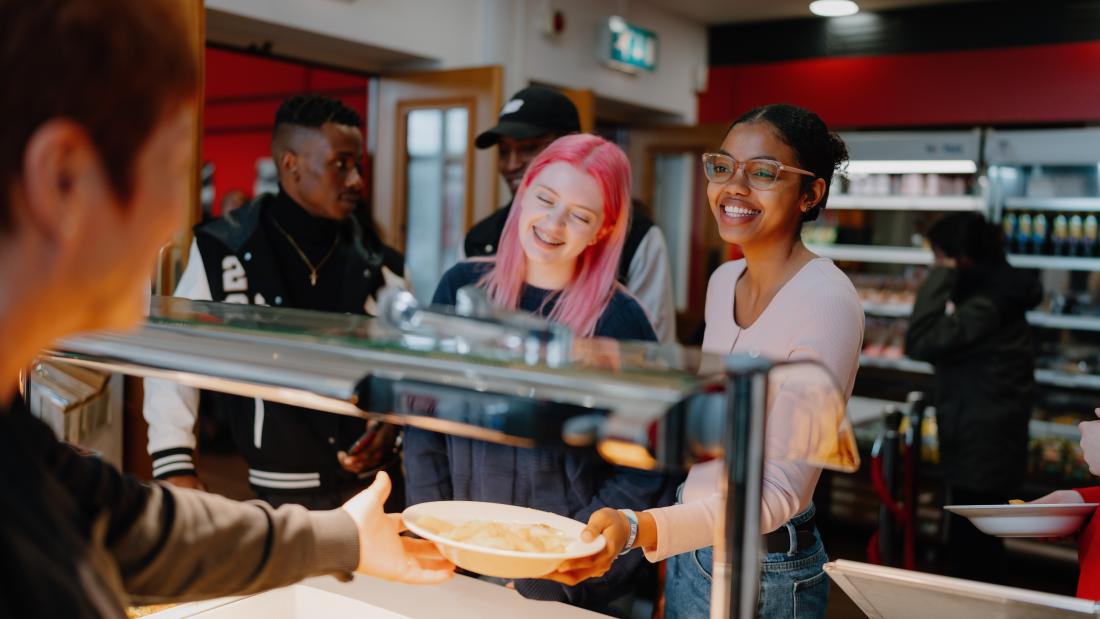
x=324 y=375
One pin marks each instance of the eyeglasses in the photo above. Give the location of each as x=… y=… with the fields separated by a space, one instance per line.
x=760 y=173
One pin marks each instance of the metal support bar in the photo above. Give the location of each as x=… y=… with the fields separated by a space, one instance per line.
x=887 y=529
x=914 y=444
x=736 y=579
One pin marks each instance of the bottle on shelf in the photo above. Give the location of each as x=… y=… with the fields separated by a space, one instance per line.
x=1090 y=235
x=1039 y=233
x=1008 y=230
x=1076 y=236
x=1023 y=233
x=1061 y=243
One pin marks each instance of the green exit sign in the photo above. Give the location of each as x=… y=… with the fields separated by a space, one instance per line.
x=627 y=47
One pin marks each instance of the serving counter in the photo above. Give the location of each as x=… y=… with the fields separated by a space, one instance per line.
x=370 y=598
x=507 y=379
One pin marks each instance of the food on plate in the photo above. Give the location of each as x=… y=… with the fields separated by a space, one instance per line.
x=134 y=612
x=1016 y=502
x=541 y=538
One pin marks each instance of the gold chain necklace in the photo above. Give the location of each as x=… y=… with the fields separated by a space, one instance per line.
x=312 y=269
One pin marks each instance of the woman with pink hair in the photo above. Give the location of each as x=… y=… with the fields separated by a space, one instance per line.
x=558 y=258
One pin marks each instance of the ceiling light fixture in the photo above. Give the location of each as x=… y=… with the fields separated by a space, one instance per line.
x=834 y=8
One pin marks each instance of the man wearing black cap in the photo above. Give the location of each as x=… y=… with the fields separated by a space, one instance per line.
x=532 y=119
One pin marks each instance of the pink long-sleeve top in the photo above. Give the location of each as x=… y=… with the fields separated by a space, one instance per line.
x=816 y=315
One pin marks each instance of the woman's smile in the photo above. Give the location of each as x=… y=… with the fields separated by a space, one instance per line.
x=546 y=239
x=735 y=212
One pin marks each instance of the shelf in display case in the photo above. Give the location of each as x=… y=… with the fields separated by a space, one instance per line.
x=863 y=410
x=1065 y=379
x=1037 y=319
x=1065 y=205
x=1042 y=428
x=902 y=365
x=888 y=310
x=1052 y=378
x=1063 y=263
x=1063 y=321
x=872 y=253
x=906 y=203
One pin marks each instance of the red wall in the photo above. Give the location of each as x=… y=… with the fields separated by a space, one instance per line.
x=242 y=93
x=1038 y=84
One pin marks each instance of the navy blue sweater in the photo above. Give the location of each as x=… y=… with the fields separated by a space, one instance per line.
x=573 y=483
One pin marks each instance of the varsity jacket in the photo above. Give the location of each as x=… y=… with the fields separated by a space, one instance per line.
x=288 y=449
x=643 y=268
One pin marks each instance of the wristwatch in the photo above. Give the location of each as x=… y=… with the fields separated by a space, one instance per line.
x=633 y=518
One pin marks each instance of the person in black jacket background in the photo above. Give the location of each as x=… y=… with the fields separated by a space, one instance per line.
x=969 y=321
x=310 y=246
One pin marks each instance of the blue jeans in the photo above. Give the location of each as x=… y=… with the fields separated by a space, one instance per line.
x=791 y=584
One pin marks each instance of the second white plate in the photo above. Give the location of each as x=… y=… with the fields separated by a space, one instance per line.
x=1026 y=519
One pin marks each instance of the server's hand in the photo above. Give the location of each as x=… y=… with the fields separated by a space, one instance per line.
x=1059 y=497
x=1090 y=443
x=385 y=554
x=187 y=481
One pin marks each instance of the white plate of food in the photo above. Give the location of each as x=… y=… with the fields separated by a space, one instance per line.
x=500 y=540
x=1026 y=519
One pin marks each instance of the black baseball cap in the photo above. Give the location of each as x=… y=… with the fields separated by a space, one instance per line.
x=532 y=112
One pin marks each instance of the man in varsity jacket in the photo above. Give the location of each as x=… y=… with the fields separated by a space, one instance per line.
x=310 y=246
x=532 y=119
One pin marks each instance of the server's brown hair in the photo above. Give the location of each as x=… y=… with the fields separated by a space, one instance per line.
x=115 y=67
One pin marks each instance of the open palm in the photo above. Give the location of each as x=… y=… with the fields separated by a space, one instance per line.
x=383 y=553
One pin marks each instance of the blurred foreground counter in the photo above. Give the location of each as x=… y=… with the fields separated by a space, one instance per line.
x=370 y=598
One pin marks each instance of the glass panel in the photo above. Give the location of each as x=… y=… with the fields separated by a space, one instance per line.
x=674 y=176
x=424 y=245
x=435 y=194
x=280 y=344
x=457 y=127
x=454 y=211
x=424 y=133
x=659 y=365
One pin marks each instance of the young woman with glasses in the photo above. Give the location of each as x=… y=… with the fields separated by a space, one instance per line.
x=771 y=174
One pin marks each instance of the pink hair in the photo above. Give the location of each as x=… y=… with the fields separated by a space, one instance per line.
x=581 y=303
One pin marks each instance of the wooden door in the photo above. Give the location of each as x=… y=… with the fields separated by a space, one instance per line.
x=171 y=261
x=585 y=100
x=430 y=182
x=668 y=178
x=173 y=257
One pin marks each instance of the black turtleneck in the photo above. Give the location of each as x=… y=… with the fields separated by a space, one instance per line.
x=315 y=236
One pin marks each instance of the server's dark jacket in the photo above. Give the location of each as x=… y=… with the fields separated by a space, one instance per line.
x=983 y=355
x=245 y=258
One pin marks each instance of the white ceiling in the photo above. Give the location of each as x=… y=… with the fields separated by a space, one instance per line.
x=729 y=11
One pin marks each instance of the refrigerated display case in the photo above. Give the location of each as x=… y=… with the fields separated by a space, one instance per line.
x=1045 y=188
x=894 y=183
x=894 y=186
